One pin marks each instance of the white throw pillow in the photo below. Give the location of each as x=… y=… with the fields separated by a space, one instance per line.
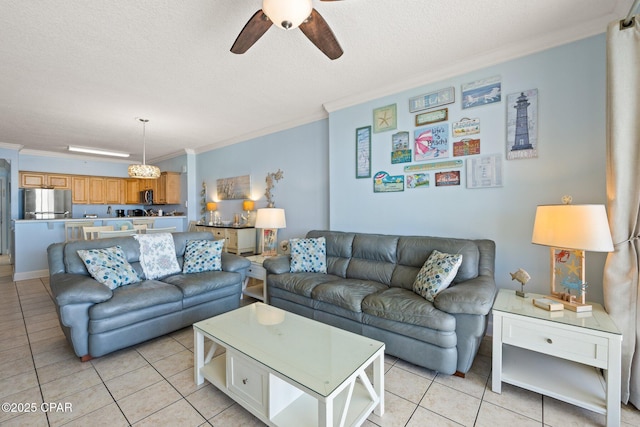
x=436 y=274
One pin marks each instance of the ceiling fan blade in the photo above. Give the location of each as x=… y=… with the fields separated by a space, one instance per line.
x=252 y=31
x=317 y=30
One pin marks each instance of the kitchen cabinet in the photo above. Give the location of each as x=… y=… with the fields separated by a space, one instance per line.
x=44 y=180
x=168 y=189
x=112 y=191
x=80 y=190
x=132 y=191
x=96 y=190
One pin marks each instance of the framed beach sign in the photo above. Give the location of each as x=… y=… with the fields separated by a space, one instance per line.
x=363 y=152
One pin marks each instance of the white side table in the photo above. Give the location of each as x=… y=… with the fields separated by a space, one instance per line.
x=558 y=353
x=256 y=271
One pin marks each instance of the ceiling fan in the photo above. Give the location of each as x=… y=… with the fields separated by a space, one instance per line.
x=289 y=14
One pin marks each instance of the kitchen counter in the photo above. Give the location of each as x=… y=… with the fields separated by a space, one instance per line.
x=32 y=237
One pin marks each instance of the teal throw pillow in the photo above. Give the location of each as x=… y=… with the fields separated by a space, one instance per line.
x=436 y=274
x=308 y=255
x=109 y=266
x=203 y=255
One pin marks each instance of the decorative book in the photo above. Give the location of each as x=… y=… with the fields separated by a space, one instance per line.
x=548 y=304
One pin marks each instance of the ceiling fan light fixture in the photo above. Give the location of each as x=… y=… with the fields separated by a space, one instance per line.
x=144 y=171
x=287 y=14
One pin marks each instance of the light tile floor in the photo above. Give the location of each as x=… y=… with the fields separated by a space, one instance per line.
x=152 y=384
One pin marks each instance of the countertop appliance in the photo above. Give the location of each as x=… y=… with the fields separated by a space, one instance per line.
x=120 y=213
x=146 y=197
x=47 y=203
x=136 y=212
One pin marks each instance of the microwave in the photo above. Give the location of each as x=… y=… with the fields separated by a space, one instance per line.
x=146 y=197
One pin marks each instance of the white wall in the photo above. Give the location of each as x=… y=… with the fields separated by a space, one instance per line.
x=571 y=144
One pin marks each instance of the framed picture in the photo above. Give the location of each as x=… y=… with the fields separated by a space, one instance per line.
x=482 y=92
x=385 y=118
x=431 y=143
x=400 y=141
x=418 y=180
x=432 y=100
x=238 y=187
x=484 y=171
x=522 y=125
x=465 y=127
x=432 y=117
x=385 y=183
x=447 y=179
x=568 y=273
x=466 y=147
x=363 y=152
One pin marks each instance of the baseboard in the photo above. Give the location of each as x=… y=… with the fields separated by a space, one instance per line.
x=36 y=274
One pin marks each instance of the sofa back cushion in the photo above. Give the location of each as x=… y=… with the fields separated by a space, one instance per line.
x=339 y=250
x=392 y=260
x=413 y=251
x=74 y=265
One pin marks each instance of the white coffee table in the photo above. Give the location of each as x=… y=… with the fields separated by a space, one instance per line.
x=288 y=370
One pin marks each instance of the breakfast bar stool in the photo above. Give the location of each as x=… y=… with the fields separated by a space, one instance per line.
x=148 y=222
x=91 y=233
x=73 y=230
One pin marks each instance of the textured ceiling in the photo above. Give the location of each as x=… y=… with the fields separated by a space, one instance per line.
x=78 y=72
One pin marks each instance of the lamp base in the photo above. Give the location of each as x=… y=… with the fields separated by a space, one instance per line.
x=571 y=305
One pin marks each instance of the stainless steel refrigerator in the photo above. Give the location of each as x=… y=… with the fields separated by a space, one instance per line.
x=45 y=203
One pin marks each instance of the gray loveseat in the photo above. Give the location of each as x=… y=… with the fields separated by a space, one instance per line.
x=97 y=320
x=368 y=290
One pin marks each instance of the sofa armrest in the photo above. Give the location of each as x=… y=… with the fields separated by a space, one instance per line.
x=236 y=263
x=77 y=289
x=473 y=296
x=277 y=264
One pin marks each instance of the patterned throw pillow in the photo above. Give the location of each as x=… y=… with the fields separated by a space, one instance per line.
x=157 y=255
x=308 y=255
x=202 y=255
x=109 y=266
x=436 y=274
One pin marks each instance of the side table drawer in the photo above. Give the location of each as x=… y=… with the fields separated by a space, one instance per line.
x=248 y=381
x=257 y=271
x=572 y=345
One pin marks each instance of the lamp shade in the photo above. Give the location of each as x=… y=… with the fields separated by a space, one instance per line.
x=582 y=227
x=248 y=205
x=212 y=206
x=287 y=14
x=270 y=218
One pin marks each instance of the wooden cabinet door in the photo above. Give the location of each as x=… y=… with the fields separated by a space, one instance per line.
x=33 y=180
x=132 y=191
x=112 y=191
x=172 y=188
x=59 y=181
x=80 y=190
x=160 y=195
x=96 y=190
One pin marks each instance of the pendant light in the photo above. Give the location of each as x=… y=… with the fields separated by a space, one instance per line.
x=144 y=171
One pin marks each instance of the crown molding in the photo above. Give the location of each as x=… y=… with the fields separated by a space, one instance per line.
x=9 y=146
x=42 y=153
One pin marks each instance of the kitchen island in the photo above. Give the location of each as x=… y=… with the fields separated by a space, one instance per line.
x=32 y=237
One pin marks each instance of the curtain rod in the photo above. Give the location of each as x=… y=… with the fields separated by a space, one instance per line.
x=634 y=7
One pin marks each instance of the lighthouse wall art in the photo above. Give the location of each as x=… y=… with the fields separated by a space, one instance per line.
x=522 y=125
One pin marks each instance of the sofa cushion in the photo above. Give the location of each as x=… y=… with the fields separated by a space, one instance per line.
x=308 y=255
x=198 y=283
x=346 y=293
x=299 y=283
x=405 y=306
x=138 y=296
x=109 y=266
x=436 y=274
x=339 y=250
x=203 y=255
x=157 y=255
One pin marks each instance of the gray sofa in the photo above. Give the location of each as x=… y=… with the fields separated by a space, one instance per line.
x=97 y=320
x=368 y=290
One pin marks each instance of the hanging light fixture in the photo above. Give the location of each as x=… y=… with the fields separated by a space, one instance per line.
x=144 y=171
x=287 y=14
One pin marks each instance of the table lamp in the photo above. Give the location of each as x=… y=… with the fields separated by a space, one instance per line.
x=248 y=206
x=211 y=207
x=569 y=231
x=270 y=220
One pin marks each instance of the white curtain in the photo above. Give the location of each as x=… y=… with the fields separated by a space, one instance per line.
x=623 y=194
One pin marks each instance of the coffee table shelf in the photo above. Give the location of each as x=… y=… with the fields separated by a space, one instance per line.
x=310 y=374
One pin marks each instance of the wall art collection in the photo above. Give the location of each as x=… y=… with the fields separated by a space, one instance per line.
x=436 y=144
